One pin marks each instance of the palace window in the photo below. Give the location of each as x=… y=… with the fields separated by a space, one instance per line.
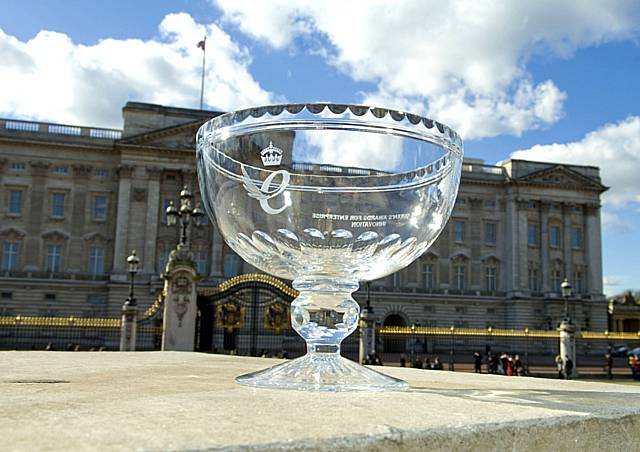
x=532 y=234
x=102 y=172
x=554 y=236
x=57 y=205
x=460 y=276
x=18 y=166
x=232 y=265
x=162 y=260
x=458 y=230
x=490 y=233
x=534 y=284
x=556 y=280
x=60 y=170
x=491 y=281
x=576 y=237
x=428 y=276
x=201 y=260
x=490 y=204
x=578 y=282
x=15 y=202
x=100 y=207
x=9 y=256
x=54 y=258
x=96 y=260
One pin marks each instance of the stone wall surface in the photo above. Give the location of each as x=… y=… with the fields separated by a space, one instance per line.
x=178 y=401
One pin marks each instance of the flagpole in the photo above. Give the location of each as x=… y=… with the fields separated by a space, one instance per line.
x=204 y=51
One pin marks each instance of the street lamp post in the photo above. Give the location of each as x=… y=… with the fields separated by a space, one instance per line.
x=130 y=309
x=453 y=345
x=367 y=331
x=567 y=333
x=186 y=214
x=133 y=263
x=566 y=288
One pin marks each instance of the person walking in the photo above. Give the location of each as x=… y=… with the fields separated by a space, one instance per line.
x=403 y=361
x=519 y=368
x=609 y=359
x=559 y=366
x=568 y=367
x=477 y=362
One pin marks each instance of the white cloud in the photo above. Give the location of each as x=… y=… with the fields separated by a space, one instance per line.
x=613 y=222
x=615 y=148
x=348 y=149
x=461 y=62
x=51 y=78
x=612 y=282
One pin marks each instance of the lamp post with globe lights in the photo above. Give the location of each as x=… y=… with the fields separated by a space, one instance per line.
x=186 y=214
x=130 y=308
x=180 y=277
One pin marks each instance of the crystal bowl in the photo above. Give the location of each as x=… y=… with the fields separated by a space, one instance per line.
x=327 y=195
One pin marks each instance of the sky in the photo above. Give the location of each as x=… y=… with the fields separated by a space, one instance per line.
x=550 y=80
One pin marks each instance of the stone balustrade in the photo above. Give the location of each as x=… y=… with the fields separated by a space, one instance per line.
x=16 y=125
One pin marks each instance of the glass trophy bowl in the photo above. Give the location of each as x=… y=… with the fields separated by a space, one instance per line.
x=327 y=195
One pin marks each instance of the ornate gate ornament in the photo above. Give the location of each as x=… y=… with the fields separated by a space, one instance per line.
x=276 y=317
x=230 y=315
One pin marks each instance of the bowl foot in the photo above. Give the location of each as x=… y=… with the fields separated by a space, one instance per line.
x=322 y=372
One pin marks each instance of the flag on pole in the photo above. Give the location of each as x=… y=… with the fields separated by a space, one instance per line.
x=201 y=45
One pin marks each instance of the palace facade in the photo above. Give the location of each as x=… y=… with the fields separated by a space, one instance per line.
x=75 y=200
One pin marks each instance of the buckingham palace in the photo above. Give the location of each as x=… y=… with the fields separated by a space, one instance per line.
x=75 y=200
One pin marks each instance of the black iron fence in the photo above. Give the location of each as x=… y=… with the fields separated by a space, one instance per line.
x=78 y=333
x=536 y=349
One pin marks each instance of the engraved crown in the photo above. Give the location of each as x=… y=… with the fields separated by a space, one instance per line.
x=271 y=155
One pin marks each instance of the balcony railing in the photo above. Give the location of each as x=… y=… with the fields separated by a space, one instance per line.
x=484 y=169
x=54 y=275
x=19 y=125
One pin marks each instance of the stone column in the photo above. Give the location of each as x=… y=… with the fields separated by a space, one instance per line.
x=128 y=327
x=3 y=161
x=79 y=219
x=122 y=219
x=153 y=206
x=568 y=344
x=35 y=215
x=593 y=239
x=566 y=236
x=511 y=246
x=544 y=246
x=523 y=246
x=476 y=278
x=180 y=302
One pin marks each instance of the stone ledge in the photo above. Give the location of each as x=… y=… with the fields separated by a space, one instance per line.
x=177 y=401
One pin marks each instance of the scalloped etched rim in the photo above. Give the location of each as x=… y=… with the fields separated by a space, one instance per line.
x=315 y=108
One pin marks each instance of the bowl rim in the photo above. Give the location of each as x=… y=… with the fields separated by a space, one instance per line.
x=402 y=120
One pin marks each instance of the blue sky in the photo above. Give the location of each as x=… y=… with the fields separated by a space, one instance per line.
x=553 y=80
